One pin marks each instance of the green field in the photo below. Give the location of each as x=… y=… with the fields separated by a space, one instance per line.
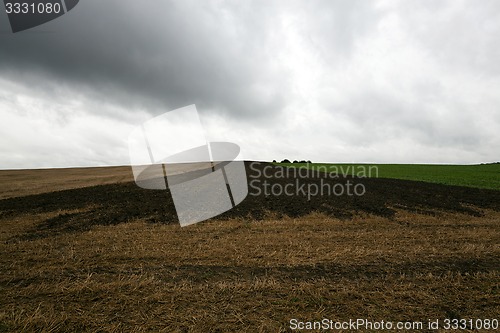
x=481 y=176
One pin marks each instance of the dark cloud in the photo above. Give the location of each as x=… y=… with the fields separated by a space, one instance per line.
x=173 y=53
x=359 y=79
x=223 y=56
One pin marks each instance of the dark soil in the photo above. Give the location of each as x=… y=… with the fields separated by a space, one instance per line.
x=119 y=203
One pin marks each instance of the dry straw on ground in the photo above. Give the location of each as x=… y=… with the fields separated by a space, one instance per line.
x=247 y=276
x=72 y=262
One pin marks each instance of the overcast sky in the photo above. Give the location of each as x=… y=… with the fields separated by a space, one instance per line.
x=339 y=81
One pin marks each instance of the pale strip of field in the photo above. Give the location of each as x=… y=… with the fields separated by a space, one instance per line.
x=19 y=183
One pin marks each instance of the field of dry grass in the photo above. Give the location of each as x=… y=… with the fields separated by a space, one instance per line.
x=65 y=268
x=247 y=276
x=26 y=182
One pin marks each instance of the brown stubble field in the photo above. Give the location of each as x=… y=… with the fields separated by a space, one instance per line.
x=242 y=272
x=27 y=182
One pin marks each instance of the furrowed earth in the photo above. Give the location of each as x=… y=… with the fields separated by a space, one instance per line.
x=112 y=257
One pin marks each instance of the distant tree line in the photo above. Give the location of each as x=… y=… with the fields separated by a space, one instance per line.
x=295 y=161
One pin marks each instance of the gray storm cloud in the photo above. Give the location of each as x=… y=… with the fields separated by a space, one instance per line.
x=322 y=80
x=173 y=53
